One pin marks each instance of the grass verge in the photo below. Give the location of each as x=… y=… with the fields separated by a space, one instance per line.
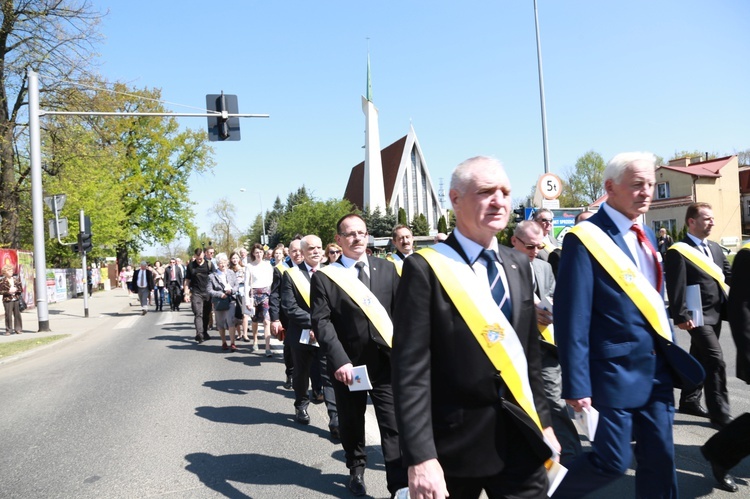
x=20 y=346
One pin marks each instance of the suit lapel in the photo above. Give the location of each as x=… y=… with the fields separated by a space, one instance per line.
x=608 y=226
x=513 y=276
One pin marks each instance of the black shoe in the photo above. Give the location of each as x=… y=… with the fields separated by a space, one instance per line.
x=301 y=416
x=198 y=338
x=694 y=409
x=357 y=484
x=206 y=337
x=335 y=433
x=288 y=384
x=721 y=422
x=317 y=397
x=726 y=481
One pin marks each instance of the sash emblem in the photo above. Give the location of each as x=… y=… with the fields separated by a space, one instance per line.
x=493 y=333
x=628 y=276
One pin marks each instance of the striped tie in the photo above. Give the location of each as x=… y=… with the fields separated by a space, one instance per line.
x=496 y=282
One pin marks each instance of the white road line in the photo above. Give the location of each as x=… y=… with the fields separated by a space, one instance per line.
x=127 y=322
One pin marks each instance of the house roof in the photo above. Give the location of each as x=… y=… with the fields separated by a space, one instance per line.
x=671 y=202
x=390 y=156
x=708 y=168
x=744 y=179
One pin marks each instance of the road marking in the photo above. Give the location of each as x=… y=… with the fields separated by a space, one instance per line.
x=127 y=322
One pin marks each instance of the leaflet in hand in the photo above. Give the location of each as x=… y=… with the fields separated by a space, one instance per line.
x=694 y=304
x=304 y=338
x=361 y=379
x=587 y=420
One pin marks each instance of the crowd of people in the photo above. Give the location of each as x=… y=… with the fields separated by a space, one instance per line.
x=475 y=355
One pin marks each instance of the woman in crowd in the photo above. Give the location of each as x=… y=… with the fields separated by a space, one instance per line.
x=129 y=278
x=222 y=287
x=332 y=253
x=10 y=287
x=238 y=267
x=159 y=285
x=278 y=255
x=258 y=280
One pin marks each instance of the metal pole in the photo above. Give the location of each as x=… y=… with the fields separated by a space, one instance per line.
x=263 y=219
x=37 y=213
x=82 y=222
x=541 y=89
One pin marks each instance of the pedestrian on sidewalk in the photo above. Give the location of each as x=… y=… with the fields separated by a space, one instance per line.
x=10 y=287
x=195 y=288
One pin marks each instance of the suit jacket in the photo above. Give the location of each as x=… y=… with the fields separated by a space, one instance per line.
x=605 y=345
x=545 y=279
x=136 y=277
x=341 y=326
x=275 y=311
x=446 y=389
x=681 y=273
x=739 y=312
x=295 y=309
x=179 y=275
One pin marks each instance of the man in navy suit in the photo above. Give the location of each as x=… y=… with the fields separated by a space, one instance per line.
x=462 y=427
x=614 y=357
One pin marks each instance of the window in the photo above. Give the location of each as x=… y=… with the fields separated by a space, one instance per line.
x=667 y=224
x=747 y=206
x=662 y=190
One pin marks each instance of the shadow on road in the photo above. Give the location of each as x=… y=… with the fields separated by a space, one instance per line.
x=247 y=386
x=217 y=472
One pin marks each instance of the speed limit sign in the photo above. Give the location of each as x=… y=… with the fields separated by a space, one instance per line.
x=549 y=186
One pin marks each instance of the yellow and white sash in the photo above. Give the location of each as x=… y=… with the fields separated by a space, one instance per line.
x=302 y=284
x=745 y=246
x=363 y=297
x=397 y=261
x=621 y=268
x=282 y=266
x=701 y=260
x=547 y=332
x=488 y=324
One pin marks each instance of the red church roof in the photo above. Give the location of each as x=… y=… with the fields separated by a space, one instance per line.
x=391 y=159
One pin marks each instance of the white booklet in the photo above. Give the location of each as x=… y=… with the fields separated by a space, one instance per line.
x=361 y=379
x=304 y=338
x=694 y=304
x=587 y=420
x=555 y=471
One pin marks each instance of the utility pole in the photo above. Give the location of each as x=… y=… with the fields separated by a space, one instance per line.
x=82 y=222
x=541 y=90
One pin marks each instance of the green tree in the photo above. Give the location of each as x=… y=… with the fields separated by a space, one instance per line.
x=420 y=226
x=451 y=220
x=585 y=184
x=694 y=154
x=314 y=217
x=54 y=38
x=402 y=217
x=224 y=231
x=378 y=224
x=442 y=225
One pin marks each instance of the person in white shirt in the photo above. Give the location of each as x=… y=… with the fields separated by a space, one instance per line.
x=258 y=280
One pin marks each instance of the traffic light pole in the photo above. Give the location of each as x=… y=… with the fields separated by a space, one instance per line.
x=85 y=270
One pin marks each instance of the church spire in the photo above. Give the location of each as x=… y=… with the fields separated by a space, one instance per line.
x=369 y=80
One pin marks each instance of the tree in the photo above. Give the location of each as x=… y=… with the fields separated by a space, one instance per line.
x=224 y=231
x=379 y=225
x=420 y=226
x=55 y=38
x=743 y=157
x=256 y=230
x=314 y=217
x=694 y=154
x=442 y=226
x=402 y=217
x=585 y=184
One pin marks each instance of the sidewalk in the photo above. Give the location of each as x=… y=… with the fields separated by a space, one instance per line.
x=67 y=317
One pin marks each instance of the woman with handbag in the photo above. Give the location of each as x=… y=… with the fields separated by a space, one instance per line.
x=222 y=287
x=10 y=288
x=237 y=265
x=159 y=285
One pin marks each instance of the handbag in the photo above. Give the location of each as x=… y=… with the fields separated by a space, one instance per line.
x=238 y=314
x=221 y=304
x=22 y=304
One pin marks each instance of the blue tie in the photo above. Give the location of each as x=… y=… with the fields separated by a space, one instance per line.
x=496 y=283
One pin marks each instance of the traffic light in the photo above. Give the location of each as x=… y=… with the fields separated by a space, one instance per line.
x=84 y=241
x=223 y=127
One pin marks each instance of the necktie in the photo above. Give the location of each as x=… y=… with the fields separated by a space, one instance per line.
x=142 y=279
x=496 y=283
x=704 y=247
x=361 y=274
x=645 y=243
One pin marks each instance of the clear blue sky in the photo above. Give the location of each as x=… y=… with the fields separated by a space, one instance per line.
x=649 y=75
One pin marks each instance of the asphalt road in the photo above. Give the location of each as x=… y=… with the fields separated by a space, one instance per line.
x=136 y=409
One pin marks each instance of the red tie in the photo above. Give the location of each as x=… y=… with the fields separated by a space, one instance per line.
x=643 y=240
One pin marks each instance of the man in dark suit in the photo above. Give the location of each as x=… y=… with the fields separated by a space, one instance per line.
x=352 y=302
x=174 y=276
x=732 y=443
x=614 y=339
x=461 y=423
x=527 y=240
x=142 y=284
x=278 y=318
x=295 y=302
x=683 y=271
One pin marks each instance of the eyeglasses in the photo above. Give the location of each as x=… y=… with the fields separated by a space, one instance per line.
x=355 y=233
x=545 y=220
x=334 y=252
x=528 y=246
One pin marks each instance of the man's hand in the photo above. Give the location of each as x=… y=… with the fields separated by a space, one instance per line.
x=187 y=295
x=579 y=404
x=549 y=435
x=426 y=481
x=344 y=374
x=686 y=326
x=275 y=328
x=312 y=337
x=543 y=317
